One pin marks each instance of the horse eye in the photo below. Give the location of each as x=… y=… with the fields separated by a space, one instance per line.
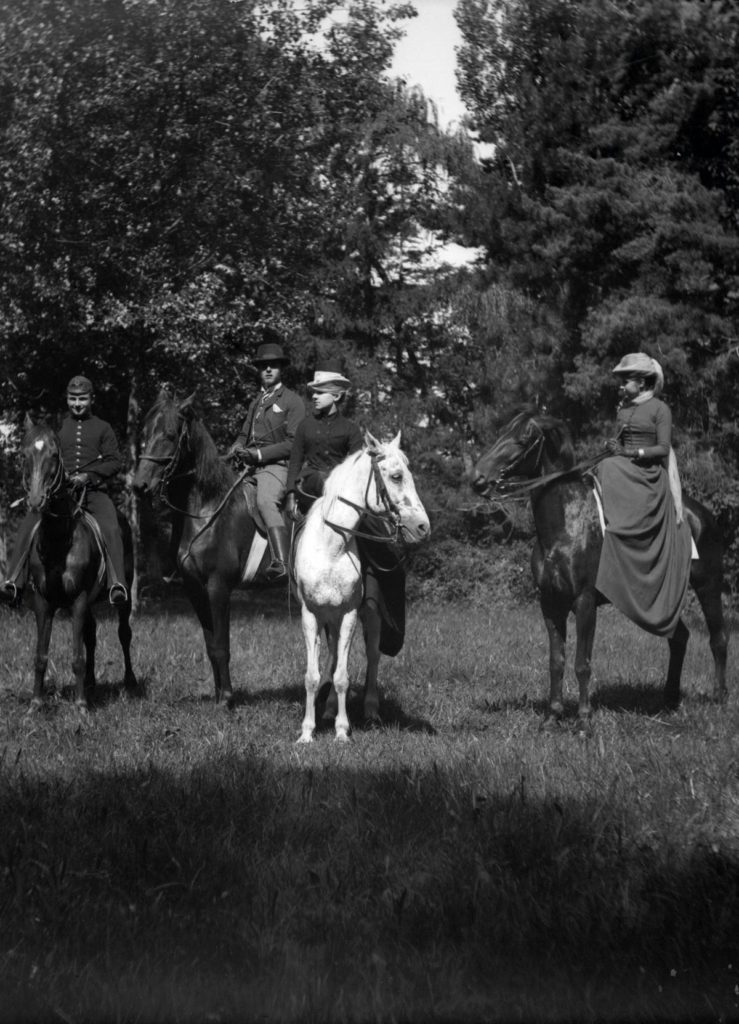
x=396 y=477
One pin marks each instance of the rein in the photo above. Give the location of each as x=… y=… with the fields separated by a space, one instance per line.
x=390 y=516
x=524 y=490
x=170 y=463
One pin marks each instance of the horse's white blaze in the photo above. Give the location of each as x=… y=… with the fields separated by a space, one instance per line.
x=327 y=565
x=39 y=444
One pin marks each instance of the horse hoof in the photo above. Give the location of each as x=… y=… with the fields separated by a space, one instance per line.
x=583 y=728
x=551 y=724
x=36 y=705
x=82 y=708
x=342 y=736
x=305 y=737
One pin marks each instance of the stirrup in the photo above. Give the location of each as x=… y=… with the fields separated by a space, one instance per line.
x=9 y=592
x=117 y=595
x=276 y=570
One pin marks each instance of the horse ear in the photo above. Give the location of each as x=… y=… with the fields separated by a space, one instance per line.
x=28 y=422
x=371 y=443
x=395 y=443
x=187 y=405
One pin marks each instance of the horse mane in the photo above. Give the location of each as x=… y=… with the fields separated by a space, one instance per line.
x=337 y=480
x=213 y=475
x=557 y=436
x=558 y=439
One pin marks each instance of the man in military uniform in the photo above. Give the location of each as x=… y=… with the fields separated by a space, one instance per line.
x=264 y=443
x=91 y=458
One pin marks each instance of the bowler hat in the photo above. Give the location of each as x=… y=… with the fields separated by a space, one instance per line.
x=328 y=377
x=80 y=385
x=270 y=353
x=642 y=365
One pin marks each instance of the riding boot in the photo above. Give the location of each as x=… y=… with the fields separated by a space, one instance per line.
x=279 y=546
x=11 y=589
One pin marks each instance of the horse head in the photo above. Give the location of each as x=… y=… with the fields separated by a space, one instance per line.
x=395 y=491
x=164 y=441
x=43 y=469
x=529 y=445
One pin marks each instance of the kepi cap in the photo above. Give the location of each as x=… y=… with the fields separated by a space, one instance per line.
x=80 y=385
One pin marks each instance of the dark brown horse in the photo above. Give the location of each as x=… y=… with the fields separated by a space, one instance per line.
x=66 y=566
x=567 y=551
x=212 y=527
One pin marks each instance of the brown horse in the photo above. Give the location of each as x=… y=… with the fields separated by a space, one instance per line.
x=567 y=551
x=66 y=566
x=212 y=527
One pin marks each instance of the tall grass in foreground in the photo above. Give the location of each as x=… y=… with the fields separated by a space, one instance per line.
x=167 y=860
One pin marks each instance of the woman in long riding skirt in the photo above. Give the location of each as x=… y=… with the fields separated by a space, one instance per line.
x=645 y=561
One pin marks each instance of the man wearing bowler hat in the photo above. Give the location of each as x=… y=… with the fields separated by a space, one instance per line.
x=91 y=458
x=264 y=443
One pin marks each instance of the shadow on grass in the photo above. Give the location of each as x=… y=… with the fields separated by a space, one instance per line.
x=226 y=891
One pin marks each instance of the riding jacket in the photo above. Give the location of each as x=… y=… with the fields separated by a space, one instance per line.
x=320 y=444
x=271 y=424
x=89 y=446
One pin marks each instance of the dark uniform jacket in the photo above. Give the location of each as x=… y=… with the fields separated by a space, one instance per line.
x=320 y=444
x=271 y=424
x=89 y=446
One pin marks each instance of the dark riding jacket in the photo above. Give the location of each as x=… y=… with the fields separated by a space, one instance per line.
x=89 y=446
x=271 y=424
x=320 y=444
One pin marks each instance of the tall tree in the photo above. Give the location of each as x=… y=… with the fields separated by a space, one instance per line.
x=610 y=210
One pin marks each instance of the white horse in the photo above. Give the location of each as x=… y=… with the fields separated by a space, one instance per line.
x=327 y=571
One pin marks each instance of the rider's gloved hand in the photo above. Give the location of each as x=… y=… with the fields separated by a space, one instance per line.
x=291 y=507
x=614 y=447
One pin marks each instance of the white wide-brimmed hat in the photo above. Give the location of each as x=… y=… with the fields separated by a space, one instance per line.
x=643 y=365
x=328 y=378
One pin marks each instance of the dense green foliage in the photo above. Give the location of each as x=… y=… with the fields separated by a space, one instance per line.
x=179 y=176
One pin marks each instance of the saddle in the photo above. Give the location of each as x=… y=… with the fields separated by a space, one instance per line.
x=94 y=528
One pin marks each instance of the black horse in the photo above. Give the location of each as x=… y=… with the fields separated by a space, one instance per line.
x=213 y=529
x=66 y=566
x=565 y=558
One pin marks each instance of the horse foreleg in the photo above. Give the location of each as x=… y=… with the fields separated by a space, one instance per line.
x=555 y=620
x=341 y=676
x=371 y=626
x=124 y=638
x=80 y=611
x=327 y=679
x=44 y=620
x=212 y=609
x=585 y=618
x=312 y=635
x=89 y=637
x=678 y=645
x=709 y=596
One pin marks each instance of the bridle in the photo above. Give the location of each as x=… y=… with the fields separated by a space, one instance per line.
x=389 y=515
x=523 y=489
x=171 y=462
x=54 y=489
x=534 y=446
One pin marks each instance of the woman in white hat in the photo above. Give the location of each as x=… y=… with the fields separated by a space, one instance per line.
x=645 y=562
x=322 y=441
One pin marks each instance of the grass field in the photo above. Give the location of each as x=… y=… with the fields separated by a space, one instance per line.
x=166 y=860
